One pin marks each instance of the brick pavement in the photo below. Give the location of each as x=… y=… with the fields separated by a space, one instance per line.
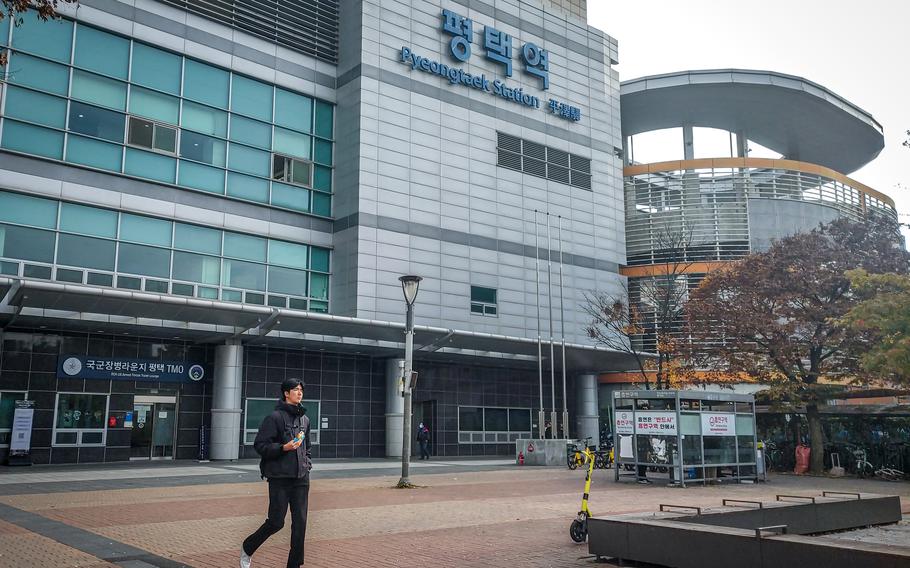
x=507 y=516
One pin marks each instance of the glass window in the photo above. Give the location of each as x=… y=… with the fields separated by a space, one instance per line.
x=35 y=107
x=94 y=153
x=239 y=274
x=81 y=411
x=38 y=73
x=52 y=39
x=287 y=254
x=88 y=220
x=292 y=143
x=148 y=261
x=322 y=178
x=204 y=119
x=319 y=259
x=150 y=165
x=519 y=420
x=246 y=247
x=32 y=139
x=319 y=286
x=156 y=69
x=719 y=449
x=205 y=83
x=102 y=52
x=4 y=31
x=323 y=152
x=153 y=136
x=202 y=148
x=470 y=419
x=7 y=399
x=251 y=132
x=85 y=252
x=28 y=210
x=250 y=161
x=197 y=268
x=324 y=120
x=96 y=122
x=154 y=105
x=199 y=239
x=27 y=244
x=745 y=426
x=322 y=204
x=690 y=424
x=293 y=110
x=146 y=230
x=287 y=281
x=246 y=187
x=257 y=410
x=291 y=170
x=97 y=89
x=290 y=197
x=251 y=98
x=197 y=176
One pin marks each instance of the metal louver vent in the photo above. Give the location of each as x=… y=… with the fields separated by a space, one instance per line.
x=535 y=167
x=509 y=160
x=558 y=157
x=557 y=173
x=534 y=150
x=583 y=165
x=507 y=142
x=581 y=180
x=542 y=161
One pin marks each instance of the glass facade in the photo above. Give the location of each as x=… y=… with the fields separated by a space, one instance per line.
x=43 y=238
x=85 y=96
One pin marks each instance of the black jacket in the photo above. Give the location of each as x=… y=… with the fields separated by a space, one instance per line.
x=277 y=429
x=423 y=435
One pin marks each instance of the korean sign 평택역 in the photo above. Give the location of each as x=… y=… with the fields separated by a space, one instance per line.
x=655 y=422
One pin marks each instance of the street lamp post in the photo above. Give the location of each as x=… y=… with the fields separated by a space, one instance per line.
x=409 y=285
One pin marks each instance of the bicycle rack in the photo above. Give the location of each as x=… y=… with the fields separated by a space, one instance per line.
x=665 y=507
x=797 y=497
x=726 y=503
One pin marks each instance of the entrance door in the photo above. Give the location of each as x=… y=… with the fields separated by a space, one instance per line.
x=154 y=428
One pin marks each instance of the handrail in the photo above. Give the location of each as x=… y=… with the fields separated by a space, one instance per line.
x=665 y=506
x=727 y=502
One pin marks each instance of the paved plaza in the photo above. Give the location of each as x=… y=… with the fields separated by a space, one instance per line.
x=465 y=513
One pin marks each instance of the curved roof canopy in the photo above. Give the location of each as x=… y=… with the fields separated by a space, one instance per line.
x=793 y=116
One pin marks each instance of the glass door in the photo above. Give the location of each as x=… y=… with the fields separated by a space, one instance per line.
x=163 y=429
x=154 y=428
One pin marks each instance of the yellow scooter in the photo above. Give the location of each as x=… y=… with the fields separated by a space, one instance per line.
x=579 y=528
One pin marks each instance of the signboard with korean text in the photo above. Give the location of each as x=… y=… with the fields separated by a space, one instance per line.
x=122 y=369
x=654 y=422
x=718 y=424
x=624 y=423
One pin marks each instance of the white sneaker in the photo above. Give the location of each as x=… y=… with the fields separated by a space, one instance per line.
x=245 y=559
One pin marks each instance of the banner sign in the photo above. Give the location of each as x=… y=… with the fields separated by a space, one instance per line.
x=718 y=424
x=84 y=367
x=653 y=422
x=624 y=423
x=21 y=440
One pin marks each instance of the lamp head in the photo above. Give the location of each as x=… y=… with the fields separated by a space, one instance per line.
x=409 y=285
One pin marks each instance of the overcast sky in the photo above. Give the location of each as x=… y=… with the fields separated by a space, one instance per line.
x=859 y=50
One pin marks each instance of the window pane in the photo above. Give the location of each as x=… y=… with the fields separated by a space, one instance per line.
x=291 y=143
x=495 y=419
x=94 y=153
x=293 y=110
x=149 y=261
x=102 y=52
x=145 y=230
x=322 y=178
x=165 y=139
x=257 y=410
x=28 y=210
x=241 y=274
x=150 y=165
x=32 y=139
x=486 y=295
x=85 y=252
x=26 y=244
x=153 y=105
x=246 y=187
x=287 y=281
x=4 y=40
x=244 y=246
x=470 y=419
x=8 y=399
x=322 y=204
x=287 y=254
x=97 y=122
x=201 y=177
x=197 y=268
x=291 y=197
x=324 y=113
x=519 y=420
x=38 y=73
x=156 y=69
x=81 y=411
x=142 y=132
x=199 y=239
x=319 y=259
x=35 y=107
x=204 y=119
x=248 y=160
x=205 y=83
x=300 y=172
x=97 y=89
x=323 y=152
x=88 y=220
x=251 y=98
x=202 y=148
x=319 y=286
x=52 y=39
x=251 y=132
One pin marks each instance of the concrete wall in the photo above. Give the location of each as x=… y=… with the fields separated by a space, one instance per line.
x=773 y=219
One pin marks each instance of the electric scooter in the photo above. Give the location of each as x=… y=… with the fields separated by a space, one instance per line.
x=579 y=528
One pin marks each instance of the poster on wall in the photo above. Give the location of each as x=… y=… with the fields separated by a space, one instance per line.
x=23 y=415
x=623 y=422
x=655 y=422
x=718 y=424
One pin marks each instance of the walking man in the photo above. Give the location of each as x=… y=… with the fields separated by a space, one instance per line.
x=423 y=437
x=283 y=442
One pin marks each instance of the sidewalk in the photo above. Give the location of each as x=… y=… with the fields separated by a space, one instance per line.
x=466 y=513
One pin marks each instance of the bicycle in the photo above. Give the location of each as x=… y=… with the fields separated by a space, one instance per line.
x=576 y=457
x=862 y=465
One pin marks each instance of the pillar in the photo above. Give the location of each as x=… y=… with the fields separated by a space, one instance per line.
x=226 y=408
x=586 y=408
x=394 y=408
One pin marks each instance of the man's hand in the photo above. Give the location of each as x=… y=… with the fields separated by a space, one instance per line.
x=292 y=445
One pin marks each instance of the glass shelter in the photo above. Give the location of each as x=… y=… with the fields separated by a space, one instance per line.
x=684 y=436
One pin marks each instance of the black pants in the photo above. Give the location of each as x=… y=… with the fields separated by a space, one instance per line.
x=424 y=449
x=284 y=492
